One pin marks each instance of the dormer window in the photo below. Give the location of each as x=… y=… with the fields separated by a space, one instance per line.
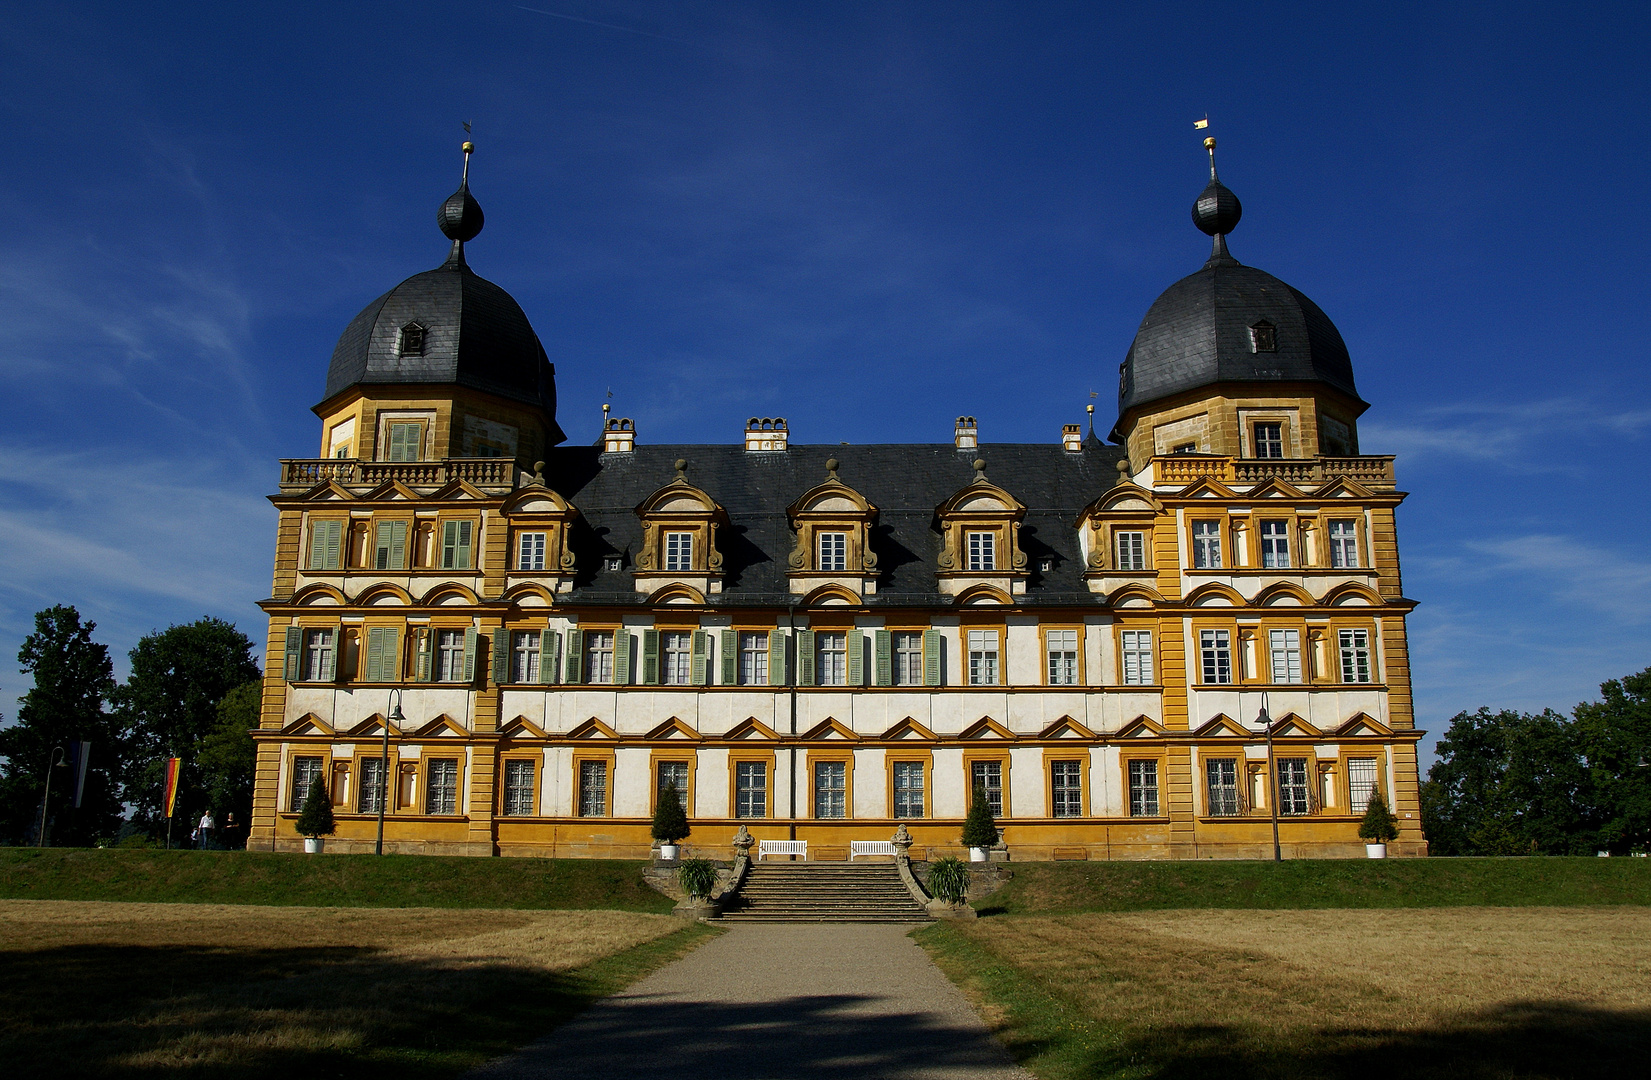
x=679 y=552
x=982 y=551
x=833 y=556
x=411 y=342
x=833 y=551
x=1263 y=338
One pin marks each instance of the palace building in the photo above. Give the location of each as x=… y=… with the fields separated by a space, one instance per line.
x=1148 y=648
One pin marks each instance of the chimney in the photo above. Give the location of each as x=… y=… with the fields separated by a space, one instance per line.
x=967 y=436
x=766 y=433
x=1072 y=438
x=619 y=437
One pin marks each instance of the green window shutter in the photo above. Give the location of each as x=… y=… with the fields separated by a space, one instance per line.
x=650 y=657
x=730 y=657
x=464 y=560
x=449 y=544
x=501 y=657
x=702 y=644
x=294 y=653
x=622 y=657
x=390 y=546
x=329 y=670
x=805 y=658
x=335 y=535
x=390 y=665
x=404 y=442
x=325 y=539
x=931 y=657
x=425 y=644
x=884 y=645
x=550 y=655
x=372 y=669
x=576 y=654
x=776 y=658
x=470 y=654
x=856 y=658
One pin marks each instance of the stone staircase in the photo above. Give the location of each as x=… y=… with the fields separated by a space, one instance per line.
x=824 y=892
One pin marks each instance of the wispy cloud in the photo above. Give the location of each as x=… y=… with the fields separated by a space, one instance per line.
x=1517 y=433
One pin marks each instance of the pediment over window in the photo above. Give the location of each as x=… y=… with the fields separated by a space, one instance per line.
x=679 y=537
x=979 y=530
x=830 y=730
x=308 y=724
x=1363 y=724
x=986 y=730
x=1066 y=728
x=442 y=727
x=751 y=730
x=1143 y=727
x=1292 y=726
x=832 y=522
x=372 y=726
x=592 y=730
x=673 y=730
x=908 y=730
x=392 y=491
x=523 y=728
x=1222 y=726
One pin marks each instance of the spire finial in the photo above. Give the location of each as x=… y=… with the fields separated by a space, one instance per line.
x=1216 y=213
x=1209 y=144
x=460 y=217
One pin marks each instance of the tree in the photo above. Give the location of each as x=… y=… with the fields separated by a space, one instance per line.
x=72 y=679
x=980 y=827
x=670 y=820
x=1379 y=826
x=170 y=704
x=1615 y=738
x=315 y=816
x=227 y=756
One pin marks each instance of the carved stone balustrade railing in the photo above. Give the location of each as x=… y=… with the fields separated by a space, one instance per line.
x=1372 y=470
x=482 y=472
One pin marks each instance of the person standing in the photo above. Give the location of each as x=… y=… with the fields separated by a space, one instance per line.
x=204 y=831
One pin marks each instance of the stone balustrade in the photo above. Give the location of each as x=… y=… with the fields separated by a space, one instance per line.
x=1372 y=470
x=482 y=472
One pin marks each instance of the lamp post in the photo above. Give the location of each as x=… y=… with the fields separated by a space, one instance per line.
x=1266 y=722
x=395 y=717
x=57 y=757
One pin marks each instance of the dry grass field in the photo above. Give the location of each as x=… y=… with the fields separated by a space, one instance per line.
x=129 y=990
x=1458 y=992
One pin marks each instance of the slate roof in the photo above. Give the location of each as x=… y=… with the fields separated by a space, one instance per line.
x=904 y=482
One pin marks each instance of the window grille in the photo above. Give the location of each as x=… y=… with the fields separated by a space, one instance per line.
x=833 y=551
x=982 y=657
x=1066 y=788
x=1206 y=545
x=989 y=775
x=599 y=657
x=593 y=789
x=1355 y=656
x=1143 y=789
x=525 y=646
x=305 y=771
x=1215 y=648
x=751 y=789
x=679 y=551
x=441 y=786
x=1137 y=650
x=318 y=656
x=530 y=551
x=830 y=659
x=1063 y=657
x=1344 y=543
x=370 y=790
x=908 y=659
x=1284 y=647
x=982 y=551
x=1361 y=782
x=908 y=789
x=1131 y=550
x=1275 y=544
x=518 y=788
x=831 y=789
x=1269 y=440
x=678 y=658
x=1221 y=777
x=675 y=772
x=450 y=656
x=1294 y=794
x=753 y=660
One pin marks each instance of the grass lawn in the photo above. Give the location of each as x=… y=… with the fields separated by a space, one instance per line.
x=244 y=877
x=1444 y=992
x=199 y=990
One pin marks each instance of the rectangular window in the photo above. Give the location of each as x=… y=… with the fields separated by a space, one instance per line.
x=1143 y=789
x=1355 y=656
x=678 y=658
x=518 y=788
x=908 y=789
x=1206 y=545
x=599 y=657
x=1292 y=786
x=1131 y=549
x=455 y=544
x=326 y=545
x=830 y=659
x=1361 y=782
x=751 y=789
x=982 y=657
x=831 y=789
x=1137 y=657
x=1275 y=544
x=1344 y=543
x=593 y=789
x=441 y=786
x=1066 y=788
x=390 y=545
x=530 y=551
x=449 y=656
x=406 y=442
x=370 y=791
x=988 y=775
x=982 y=550
x=1062 y=648
x=1284 y=646
x=833 y=551
x=674 y=772
x=1269 y=440
x=908 y=659
x=525 y=656
x=1216 y=649
x=1221 y=778
x=679 y=551
x=305 y=771
x=753 y=670
x=318 y=656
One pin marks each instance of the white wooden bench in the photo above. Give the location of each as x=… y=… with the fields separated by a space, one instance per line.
x=781 y=847
x=857 y=848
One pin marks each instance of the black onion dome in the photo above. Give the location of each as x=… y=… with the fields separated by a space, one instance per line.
x=1217 y=209
x=460 y=217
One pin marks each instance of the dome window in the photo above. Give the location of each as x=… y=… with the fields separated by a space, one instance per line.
x=411 y=342
x=1263 y=338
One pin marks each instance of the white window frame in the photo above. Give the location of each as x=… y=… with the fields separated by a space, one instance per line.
x=1061 y=656
x=1363 y=780
x=449 y=656
x=441 y=786
x=1221 y=778
x=319 y=645
x=981 y=548
x=753 y=658
x=1271 y=427
x=526 y=659
x=832 y=549
x=530 y=551
x=307 y=769
x=1344 y=543
x=679 y=552
x=1143 y=788
x=1275 y=544
x=1354 y=645
x=830 y=658
x=988 y=775
x=1294 y=787
x=1284 y=654
x=1206 y=545
x=1215 y=654
x=599 y=657
x=370 y=788
x=676 y=657
x=907 y=649
x=983 y=656
x=1136 y=658
x=1066 y=789
x=1129 y=550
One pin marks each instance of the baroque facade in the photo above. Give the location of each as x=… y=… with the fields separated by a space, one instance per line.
x=822 y=642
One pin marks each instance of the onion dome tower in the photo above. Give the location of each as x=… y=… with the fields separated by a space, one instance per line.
x=448 y=345
x=1230 y=342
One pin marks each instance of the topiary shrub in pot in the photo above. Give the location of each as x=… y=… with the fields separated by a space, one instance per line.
x=949 y=880
x=315 y=818
x=1378 y=828
x=698 y=878
x=979 y=828
x=670 y=822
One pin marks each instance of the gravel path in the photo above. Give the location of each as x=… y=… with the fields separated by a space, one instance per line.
x=791 y=1000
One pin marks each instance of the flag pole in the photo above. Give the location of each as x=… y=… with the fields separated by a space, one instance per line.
x=45 y=797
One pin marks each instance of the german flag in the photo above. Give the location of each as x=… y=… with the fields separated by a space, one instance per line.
x=172 y=766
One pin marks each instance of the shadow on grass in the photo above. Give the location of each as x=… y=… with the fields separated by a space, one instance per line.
x=144 y=1011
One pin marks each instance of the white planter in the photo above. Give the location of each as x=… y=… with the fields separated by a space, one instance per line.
x=1375 y=851
x=669 y=851
x=977 y=854
x=314 y=844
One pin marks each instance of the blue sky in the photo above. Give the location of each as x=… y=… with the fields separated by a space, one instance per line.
x=866 y=217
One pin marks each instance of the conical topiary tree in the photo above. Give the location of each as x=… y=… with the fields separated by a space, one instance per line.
x=980 y=828
x=315 y=817
x=670 y=820
x=1379 y=825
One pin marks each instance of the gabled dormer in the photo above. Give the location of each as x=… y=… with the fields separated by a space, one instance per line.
x=833 y=525
x=980 y=538
x=679 y=538
x=539 y=551
x=1115 y=535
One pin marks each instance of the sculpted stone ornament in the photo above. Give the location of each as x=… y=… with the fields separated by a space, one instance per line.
x=743 y=842
x=902 y=843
